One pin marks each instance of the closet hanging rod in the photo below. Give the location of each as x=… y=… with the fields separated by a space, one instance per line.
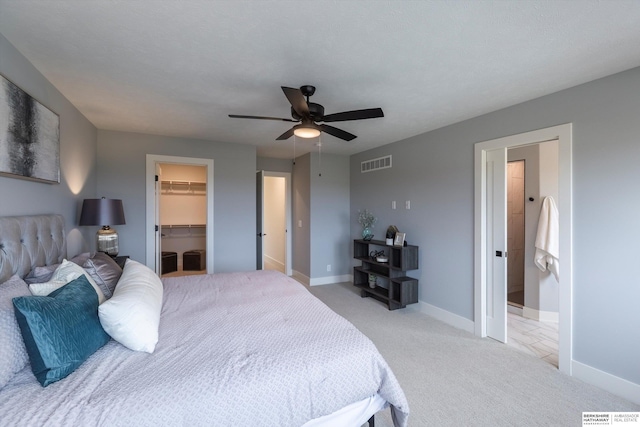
x=184 y=225
x=183 y=182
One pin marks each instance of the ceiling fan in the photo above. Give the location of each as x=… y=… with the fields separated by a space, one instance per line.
x=307 y=114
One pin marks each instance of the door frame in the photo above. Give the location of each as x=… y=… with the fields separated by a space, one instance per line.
x=151 y=203
x=288 y=268
x=564 y=134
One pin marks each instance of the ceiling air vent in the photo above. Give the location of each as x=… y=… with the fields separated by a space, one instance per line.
x=375 y=164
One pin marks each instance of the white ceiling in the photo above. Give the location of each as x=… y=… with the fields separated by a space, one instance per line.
x=180 y=67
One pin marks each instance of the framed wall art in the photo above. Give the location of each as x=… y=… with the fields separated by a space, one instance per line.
x=29 y=136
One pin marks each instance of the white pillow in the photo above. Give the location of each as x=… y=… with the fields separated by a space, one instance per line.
x=65 y=273
x=132 y=315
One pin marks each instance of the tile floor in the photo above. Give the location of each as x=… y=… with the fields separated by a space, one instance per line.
x=539 y=339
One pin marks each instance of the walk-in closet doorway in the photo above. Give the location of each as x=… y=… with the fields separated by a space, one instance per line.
x=179 y=217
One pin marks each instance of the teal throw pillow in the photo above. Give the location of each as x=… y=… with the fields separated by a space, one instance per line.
x=60 y=330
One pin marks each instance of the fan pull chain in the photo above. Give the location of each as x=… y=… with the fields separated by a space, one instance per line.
x=294 y=149
x=319 y=156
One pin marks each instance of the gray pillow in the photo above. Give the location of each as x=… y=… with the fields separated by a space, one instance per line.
x=13 y=354
x=105 y=271
x=81 y=258
x=41 y=274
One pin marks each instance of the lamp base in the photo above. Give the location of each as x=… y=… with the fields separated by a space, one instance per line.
x=107 y=241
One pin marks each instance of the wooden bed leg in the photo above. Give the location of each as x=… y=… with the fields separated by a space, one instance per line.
x=372 y=421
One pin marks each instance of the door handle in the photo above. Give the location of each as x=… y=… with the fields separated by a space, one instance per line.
x=499 y=254
x=260 y=234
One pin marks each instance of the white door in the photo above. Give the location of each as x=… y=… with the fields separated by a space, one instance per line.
x=158 y=235
x=497 y=244
x=259 y=219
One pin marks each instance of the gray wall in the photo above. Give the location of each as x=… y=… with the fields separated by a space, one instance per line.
x=330 y=242
x=436 y=172
x=121 y=174
x=274 y=165
x=301 y=187
x=77 y=157
x=321 y=202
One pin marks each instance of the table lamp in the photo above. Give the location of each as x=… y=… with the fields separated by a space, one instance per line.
x=104 y=212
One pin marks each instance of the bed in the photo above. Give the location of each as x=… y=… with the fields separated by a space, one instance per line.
x=237 y=349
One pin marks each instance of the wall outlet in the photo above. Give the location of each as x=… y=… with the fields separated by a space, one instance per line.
x=328 y=267
x=407 y=204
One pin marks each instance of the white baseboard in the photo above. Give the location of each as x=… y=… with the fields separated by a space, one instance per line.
x=300 y=277
x=611 y=383
x=542 y=316
x=274 y=261
x=329 y=280
x=446 y=316
x=514 y=310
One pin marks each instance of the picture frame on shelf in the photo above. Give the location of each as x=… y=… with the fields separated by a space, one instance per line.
x=399 y=239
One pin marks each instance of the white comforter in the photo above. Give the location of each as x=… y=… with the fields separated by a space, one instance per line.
x=237 y=349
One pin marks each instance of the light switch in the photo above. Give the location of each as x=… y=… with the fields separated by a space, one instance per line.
x=299 y=223
x=393 y=204
x=407 y=204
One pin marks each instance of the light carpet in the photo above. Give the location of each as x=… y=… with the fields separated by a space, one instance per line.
x=453 y=378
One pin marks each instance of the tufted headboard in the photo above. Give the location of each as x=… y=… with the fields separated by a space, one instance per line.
x=27 y=242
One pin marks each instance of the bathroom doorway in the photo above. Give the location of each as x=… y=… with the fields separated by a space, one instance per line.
x=490 y=283
x=532 y=295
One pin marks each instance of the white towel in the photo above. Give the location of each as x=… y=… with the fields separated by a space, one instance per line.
x=547 y=238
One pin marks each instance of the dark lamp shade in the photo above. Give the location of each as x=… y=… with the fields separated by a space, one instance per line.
x=102 y=212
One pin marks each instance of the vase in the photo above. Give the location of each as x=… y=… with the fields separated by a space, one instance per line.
x=367 y=234
x=372 y=282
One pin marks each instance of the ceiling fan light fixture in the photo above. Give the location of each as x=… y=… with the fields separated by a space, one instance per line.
x=306 y=132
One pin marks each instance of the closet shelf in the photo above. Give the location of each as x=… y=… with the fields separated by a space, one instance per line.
x=183 y=230
x=183 y=187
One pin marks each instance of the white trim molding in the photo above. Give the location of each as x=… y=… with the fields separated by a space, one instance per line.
x=606 y=381
x=542 y=316
x=317 y=281
x=302 y=278
x=330 y=280
x=445 y=316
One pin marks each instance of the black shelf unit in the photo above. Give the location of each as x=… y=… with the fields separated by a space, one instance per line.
x=398 y=289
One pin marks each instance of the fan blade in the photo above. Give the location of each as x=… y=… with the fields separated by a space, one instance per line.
x=338 y=133
x=297 y=101
x=288 y=134
x=236 y=116
x=369 y=113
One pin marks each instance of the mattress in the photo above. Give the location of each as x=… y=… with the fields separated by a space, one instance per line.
x=235 y=349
